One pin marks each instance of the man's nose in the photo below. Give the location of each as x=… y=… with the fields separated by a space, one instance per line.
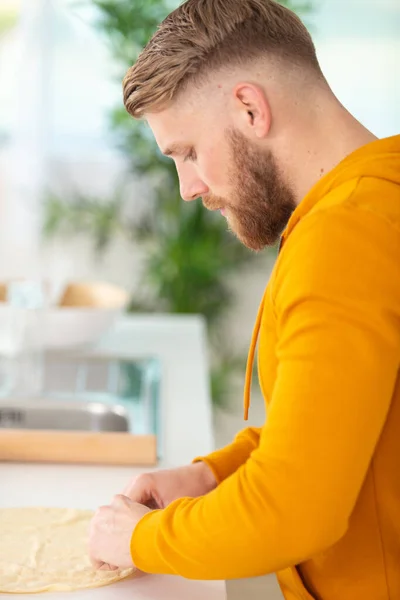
x=193 y=190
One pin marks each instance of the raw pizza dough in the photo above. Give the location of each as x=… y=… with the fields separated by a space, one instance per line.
x=45 y=550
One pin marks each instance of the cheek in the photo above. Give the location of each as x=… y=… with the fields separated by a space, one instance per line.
x=212 y=169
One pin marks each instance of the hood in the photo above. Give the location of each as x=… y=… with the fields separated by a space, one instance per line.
x=379 y=159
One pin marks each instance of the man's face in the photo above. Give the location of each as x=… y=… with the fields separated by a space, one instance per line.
x=218 y=163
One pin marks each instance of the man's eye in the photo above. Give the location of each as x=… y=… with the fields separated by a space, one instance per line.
x=190 y=156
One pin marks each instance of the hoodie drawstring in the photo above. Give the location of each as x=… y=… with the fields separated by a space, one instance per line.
x=250 y=359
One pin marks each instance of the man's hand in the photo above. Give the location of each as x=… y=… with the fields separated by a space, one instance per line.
x=158 y=489
x=111 y=531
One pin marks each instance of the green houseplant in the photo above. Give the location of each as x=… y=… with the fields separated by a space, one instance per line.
x=189 y=254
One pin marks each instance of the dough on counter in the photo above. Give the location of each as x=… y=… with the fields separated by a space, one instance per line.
x=45 y=550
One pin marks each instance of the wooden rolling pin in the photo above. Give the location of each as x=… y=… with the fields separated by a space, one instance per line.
x=29 y=445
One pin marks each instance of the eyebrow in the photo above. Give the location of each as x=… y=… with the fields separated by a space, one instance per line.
x=177 y=149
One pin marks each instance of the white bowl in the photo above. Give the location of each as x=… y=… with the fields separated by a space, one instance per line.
x=84 y=312
x=55 y=328
x=67 y=327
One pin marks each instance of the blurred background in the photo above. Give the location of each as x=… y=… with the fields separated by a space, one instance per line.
x=91 y=210
x=85 y=194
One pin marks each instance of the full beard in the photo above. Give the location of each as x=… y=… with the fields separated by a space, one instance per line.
x=262 y=202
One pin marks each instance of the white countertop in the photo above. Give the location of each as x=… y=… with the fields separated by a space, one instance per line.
x=87 y=488
x=180 y=344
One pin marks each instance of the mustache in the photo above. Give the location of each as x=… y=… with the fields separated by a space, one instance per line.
x=213 y=202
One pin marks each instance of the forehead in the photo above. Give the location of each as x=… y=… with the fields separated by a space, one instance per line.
x=171 y=127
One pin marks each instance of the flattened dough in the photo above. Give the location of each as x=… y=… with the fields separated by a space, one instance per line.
x=45 y=549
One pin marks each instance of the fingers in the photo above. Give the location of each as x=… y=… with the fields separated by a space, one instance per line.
x=96 y=564
x=107 y=567
x=129 y=486
x=121 y=500
x=110 y=533
x=97 y=524
x=142 y=489
x=138 y=489
x=152 y=504
x=99 y=565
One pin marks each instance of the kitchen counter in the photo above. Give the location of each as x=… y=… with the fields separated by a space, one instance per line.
x=147 y=587
x=180 y=344
x=87 y=488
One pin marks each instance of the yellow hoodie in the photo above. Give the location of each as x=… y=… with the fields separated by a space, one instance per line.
x=313 y=495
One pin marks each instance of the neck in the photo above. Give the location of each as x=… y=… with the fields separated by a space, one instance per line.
x=322 y=141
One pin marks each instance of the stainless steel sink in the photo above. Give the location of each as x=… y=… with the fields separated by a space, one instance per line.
x=63 y=415
x=85 y=391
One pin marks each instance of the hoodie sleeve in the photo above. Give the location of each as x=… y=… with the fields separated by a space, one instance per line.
x=227 y=460
x=337 y=309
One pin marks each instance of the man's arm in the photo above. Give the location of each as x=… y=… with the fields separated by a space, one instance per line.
x=337 y=304
x=227 y=460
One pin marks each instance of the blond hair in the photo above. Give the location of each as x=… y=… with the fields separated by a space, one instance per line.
x=202 y=36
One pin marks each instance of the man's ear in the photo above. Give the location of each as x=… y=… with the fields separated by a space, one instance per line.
x=253 y=109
